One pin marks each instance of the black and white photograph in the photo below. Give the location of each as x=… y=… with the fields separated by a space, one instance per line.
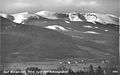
x=59 y=37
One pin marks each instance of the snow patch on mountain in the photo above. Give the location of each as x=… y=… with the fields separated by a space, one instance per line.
x=96 y=27
x=57 y=27
x=106 y=30
x=91 y=32
x=20 y=17
x=90 y=17
x=67 y=21
x=88 y=26
x=74 y=17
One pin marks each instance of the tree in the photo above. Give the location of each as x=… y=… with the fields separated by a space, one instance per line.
x=62 y=68
x=99 y=71
x=70 y=72
x=33 y=70
x=91 y=71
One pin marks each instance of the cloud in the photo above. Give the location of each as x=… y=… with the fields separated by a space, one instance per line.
x=110 y=6
x=17 y=4
x=50 y=3
x=87 y=3
x=65 y=1
x=21 y=4
x=94 y=3
x=79 y=2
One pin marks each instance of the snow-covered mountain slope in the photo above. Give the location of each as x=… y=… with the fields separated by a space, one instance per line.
x=10 y=17
x=3 y=15
x=94 y=17
x=73 y=16
x=101 y=18
x=47 y=14
x=21 y=17
x=76 y=16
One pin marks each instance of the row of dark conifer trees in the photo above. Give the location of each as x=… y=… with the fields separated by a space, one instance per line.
x=91 y=71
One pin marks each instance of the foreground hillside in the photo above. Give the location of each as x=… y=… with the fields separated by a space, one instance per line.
x=30 y=43
x=35 y=41
x=98 y=39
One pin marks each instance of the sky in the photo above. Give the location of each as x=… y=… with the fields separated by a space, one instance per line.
x=96 y=6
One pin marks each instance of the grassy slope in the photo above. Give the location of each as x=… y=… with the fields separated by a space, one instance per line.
x=31 y=43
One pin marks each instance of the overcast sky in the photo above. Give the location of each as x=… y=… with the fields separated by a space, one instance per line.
x=99 y=6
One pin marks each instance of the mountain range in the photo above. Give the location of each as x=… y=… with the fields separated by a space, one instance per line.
x=73 y=16
x=29 y=37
